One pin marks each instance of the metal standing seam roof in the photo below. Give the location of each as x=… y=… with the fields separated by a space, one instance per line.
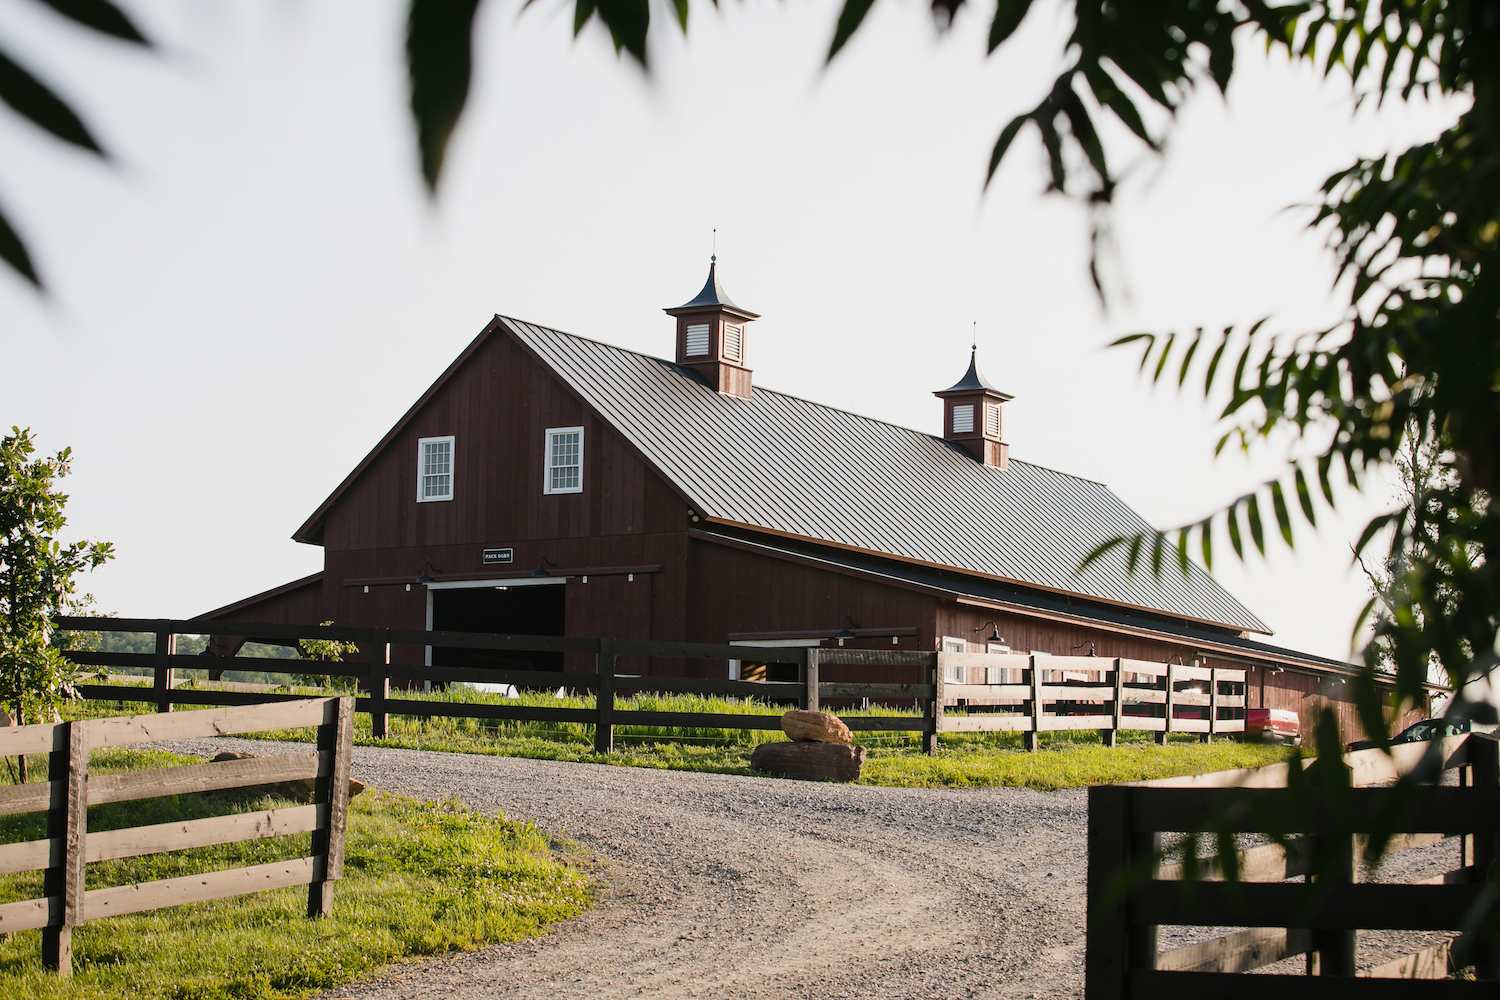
x=789 y=465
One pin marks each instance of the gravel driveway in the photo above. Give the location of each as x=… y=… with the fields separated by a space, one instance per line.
x=726 y=886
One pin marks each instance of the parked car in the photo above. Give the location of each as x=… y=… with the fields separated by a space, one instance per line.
x=1273 y=725
x=1421 y=732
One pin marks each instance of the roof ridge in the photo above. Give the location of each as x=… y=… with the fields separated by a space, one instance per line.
x=800 y=399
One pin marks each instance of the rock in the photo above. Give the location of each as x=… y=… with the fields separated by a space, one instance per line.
x=816 y=726
x=810 y=761
x=297 y=791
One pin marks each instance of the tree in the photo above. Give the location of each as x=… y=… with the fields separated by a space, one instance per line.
x=36 y=577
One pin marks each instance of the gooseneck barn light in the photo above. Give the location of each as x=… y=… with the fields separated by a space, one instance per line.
x=426 y=576
x=541 y=567
x=847 y=632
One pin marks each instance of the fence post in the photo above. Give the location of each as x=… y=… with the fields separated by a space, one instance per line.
x=1213 y=704
x=1034 y=708
x=1112 y=737
x=336 y=739
x=380 y=681
x=604 y=697
x=932 y=713
x=1484 y=758
x=166 y=645
x=810 y=674
x=1107 y=941
x=1171 y=702
x=67 y=820
x=1332 y=952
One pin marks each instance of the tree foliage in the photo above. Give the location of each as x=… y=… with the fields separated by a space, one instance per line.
x=36 y=576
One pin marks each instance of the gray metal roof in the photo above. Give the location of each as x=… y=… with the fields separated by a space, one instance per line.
x=784 y=464
x=712 y=295
x=973 y=380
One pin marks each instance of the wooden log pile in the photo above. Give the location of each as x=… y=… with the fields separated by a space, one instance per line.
x=822 y=749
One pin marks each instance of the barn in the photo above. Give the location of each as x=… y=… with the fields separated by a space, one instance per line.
x=549 y=484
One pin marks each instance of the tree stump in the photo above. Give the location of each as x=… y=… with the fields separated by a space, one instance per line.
x=816 y=726
x=810 y=761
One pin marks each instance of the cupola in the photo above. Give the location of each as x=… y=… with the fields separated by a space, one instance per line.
x=971 y=416
x=711 y=337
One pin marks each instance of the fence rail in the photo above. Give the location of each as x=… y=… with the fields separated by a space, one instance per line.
x=958 y=693
x=68 y=846
x=1319 y=916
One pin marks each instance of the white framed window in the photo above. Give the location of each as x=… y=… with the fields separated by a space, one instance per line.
x=954 y=674
x=963 y=419
x=992 y=420
x=563 y=469
x=734 y=341
x=996 y=647
x=697 y=340
x=434 y=469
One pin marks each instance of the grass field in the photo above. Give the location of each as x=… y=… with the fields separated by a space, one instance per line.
x=420 y=878
x=1065 y=760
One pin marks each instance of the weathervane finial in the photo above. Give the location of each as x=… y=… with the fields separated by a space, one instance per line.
x=713 y=256
x=974 y=345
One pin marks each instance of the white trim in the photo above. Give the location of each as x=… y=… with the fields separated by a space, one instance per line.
x=734 y=665
x=525 y=581
x=422 y=444
x=997 y=648
x=955 y=674
x=547 y=466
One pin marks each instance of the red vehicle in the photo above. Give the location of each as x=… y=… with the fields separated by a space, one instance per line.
x=1273 y=725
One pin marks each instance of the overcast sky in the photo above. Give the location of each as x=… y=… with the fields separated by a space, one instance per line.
x=258 y=287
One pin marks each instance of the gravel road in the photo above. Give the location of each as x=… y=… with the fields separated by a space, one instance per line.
x=727 y=886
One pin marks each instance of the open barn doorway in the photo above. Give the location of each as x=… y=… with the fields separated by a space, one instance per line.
x=514 y=610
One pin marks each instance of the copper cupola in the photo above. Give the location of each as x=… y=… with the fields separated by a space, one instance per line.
x=711 y=337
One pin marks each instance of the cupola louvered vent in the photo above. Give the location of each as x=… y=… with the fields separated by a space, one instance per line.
x=697 y=340
x=963 y=419
x=734 y=342
x=992 y=420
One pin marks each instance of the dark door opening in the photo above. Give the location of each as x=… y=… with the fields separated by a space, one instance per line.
x=536 y=610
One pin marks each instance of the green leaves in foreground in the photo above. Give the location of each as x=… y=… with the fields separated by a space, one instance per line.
x=32 y=99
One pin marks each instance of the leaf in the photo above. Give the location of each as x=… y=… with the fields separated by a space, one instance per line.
x=850 y=18
x=627 y=21
x=439 y=61
x=582 y=11
x=1213 y=363
x=1113 y=98
x=1007 y=136
x=1257 y=529
x=1283 y=518
x=1187 y=358
x=1376 y=525
x=102 y=16
x=1161 y=362
x=1304 y=498
x=1099 y=551
x=1206 y=528
x=1135 y=554
x=1182 y=550
x=33 y=99
x=13 y=252
x=1158 y=548
x=1008 y=17
x=681 y=6
x=1324 y=462
x=1233 y=522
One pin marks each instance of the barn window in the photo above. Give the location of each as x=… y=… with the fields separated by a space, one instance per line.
x=697 y=340
x=434 y=469
x=734 y=341
x=963 y=419
x=564 y=471
x=954 y=674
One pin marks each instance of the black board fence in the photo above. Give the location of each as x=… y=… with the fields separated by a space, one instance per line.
x=997 y=693
x=1285 y=917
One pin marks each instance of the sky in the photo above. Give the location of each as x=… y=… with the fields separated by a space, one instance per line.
x=257 y=286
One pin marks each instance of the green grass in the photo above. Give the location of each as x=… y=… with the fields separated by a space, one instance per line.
x=1065 y=760
x=420 y=878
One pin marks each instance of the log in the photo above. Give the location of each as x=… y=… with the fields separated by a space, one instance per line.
x=297 y=791
x=818 y=727
x=808 y=761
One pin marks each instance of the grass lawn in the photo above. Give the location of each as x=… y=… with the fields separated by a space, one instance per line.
x=420 y=878
x=1066 y=760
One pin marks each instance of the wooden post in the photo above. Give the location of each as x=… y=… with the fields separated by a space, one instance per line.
x=604 y=697
x=810 y=675
x=1141 y=944
x=67 y=820
x=1171 y=702
x=1032 y=739
x=1332 y=952
x=166 y=645
x=1484 y=759
x=380 y=681
x=932 y=714
x=1107 y=942
x=1213 y=705
x=336 y=736
x=1111 y=736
